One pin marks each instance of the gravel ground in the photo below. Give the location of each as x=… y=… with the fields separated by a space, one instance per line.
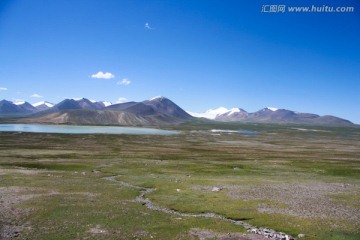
x=305 y=200
x=205 y=234
x=12 y=218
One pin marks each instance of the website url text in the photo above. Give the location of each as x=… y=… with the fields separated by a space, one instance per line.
x=308 y=9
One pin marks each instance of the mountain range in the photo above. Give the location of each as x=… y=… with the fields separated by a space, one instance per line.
x=156 y=111
x=273 y=115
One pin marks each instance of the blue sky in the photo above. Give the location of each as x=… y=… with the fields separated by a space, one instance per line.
x=201 y=53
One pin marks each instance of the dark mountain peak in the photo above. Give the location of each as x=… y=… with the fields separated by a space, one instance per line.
x=27 y=107
x=90 y=105
x=83 y=103
x=7 y=107
x=68 y=104
x=166 y=106
x=87 y=104
x=159 y=100
x=156 y=106
x=83 y=100
x=10 y=108
x=6 y=102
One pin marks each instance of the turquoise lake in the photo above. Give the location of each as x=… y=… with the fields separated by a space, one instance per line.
x=71 y=129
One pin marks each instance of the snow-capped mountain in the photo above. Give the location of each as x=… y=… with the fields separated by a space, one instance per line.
x=48 y=104
x=210 y=114
x=269 y=115
x=235 y=113
x=43 y=105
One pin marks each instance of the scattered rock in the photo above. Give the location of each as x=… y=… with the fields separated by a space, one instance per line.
x=270 y=234
x=98 y=230
x=216 y=189
x=301 y=235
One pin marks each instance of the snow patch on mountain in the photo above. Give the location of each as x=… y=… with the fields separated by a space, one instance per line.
x=233 y=110
x=19 y=102
x=210 y=114
x=272 y=109
x=43 y=103
x=106 y=104
x=157 y=98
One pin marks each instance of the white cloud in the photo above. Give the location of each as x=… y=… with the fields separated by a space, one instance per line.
x=3 y=89
x=122 y=100
x=124 y=81
x=102 y=75
x=147 y=26
x=35 y=95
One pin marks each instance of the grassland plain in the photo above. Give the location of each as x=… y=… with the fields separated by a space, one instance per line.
x=293 y=179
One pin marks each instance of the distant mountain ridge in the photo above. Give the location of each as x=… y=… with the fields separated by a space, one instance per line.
x=158 y=110
x=274 y=115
